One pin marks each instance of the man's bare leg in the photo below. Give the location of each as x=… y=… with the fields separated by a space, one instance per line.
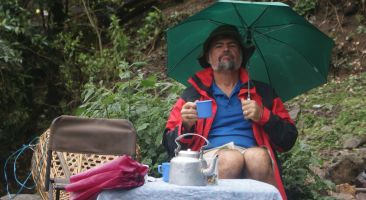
x=231 y=164
x=258 y=165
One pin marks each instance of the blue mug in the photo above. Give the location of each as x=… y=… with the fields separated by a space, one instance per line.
x=164 y=169
x=204 y=108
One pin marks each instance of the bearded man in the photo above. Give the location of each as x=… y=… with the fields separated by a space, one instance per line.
x=249 y=122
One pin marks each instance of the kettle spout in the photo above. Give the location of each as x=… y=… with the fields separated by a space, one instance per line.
x=212 y=168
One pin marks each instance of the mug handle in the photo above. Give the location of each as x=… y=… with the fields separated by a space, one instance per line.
x=159 y=169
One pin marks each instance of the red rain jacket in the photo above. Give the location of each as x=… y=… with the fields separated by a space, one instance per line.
x=276 y=131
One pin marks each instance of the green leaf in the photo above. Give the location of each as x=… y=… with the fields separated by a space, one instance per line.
x=149 y=82
x=142 y=127
x=88 y=94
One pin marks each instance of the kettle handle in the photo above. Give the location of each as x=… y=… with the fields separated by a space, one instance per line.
x=181 y=136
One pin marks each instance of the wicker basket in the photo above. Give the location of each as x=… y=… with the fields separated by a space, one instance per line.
x=76 y=163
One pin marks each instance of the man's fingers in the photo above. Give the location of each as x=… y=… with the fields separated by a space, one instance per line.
x=246 y=102
x=247 y=112
x=190 y=116
x=189 y=105
x=189 y=111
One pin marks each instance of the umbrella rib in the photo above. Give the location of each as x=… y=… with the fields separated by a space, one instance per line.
x=201 y=19
x=307 y=60
x=290 y=24
x=260 y=15
x=240 y=17
x=269 y=26
x=260 y=33
x=264 y=60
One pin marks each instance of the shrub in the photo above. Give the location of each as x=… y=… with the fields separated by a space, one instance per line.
x=118 y=89
x=305 y=7
x=299 y=180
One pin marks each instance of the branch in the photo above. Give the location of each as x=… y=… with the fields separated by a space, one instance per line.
x=94 y=25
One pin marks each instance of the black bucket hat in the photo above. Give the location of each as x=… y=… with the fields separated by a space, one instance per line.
x=225 y=31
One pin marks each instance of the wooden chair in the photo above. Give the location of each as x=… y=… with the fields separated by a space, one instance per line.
x=87 y=136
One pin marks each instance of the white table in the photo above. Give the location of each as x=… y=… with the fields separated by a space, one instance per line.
x=225 y=189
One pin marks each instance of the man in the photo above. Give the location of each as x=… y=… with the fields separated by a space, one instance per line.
x=249 y=119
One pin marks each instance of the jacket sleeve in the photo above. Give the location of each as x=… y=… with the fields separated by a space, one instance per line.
x=279 y=126
x=174 y=128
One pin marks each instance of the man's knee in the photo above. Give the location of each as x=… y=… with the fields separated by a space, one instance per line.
x=257 y=155
x=231 y=163
x=258 y=163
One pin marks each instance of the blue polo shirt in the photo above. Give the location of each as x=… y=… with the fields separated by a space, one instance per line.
x=229 y=124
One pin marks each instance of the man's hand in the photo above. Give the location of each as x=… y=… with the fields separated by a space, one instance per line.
x=251 y=110
x=189 y=115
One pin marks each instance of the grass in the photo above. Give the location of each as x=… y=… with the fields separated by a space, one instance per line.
x=329 y=115
x=333 y=112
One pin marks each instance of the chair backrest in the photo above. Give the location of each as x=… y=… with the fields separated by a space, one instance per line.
x=73 y=134
x=90 y=135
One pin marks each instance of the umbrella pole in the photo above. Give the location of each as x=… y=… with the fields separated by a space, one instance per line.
x=248 y=96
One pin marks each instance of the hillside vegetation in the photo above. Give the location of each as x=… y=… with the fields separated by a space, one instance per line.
x=107 y=59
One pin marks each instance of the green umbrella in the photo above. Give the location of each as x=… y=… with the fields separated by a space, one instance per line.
x=290 y=54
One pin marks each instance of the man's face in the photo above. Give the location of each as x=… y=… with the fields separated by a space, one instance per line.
x=225 y=55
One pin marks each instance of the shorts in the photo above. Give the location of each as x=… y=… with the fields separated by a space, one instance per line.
x=212 y=152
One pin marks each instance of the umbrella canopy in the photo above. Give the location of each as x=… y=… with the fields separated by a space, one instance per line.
x=290 y=54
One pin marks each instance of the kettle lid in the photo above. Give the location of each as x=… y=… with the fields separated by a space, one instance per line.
x=189 y=153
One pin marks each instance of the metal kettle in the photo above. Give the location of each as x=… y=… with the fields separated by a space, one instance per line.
x=188 y=168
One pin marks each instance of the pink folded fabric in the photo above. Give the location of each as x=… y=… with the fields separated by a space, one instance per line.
x=121 y=173
x=113 y=183
x=125 y=163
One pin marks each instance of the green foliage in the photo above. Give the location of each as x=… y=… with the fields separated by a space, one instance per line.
x=28 y=76
x=44 y=64
x=117 y=89
x=361 y=29
x=305 y=7
x=329 y=115
x=359 y=18
x=176 y=17
x=22 y=64
x=119 y=39
x=151 y=30
x=13 y=17
x=143 y=100
x=333 y=112
x=9 y=54
x=299 y=180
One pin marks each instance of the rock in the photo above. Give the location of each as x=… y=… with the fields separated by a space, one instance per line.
x=363 y=141
x=346 y=189
x=318 y=171
x=346 y=169
x=352 y=143
x=317 y=106
x=23 y=197
x=361 y=179
x=361 y=196
x=326 y=128
x=342 y=196
x=294 y=111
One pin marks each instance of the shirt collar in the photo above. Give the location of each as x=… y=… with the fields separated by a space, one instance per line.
x=216 y=91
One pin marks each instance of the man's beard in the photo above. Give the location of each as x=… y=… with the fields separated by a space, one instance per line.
x=227 y=65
